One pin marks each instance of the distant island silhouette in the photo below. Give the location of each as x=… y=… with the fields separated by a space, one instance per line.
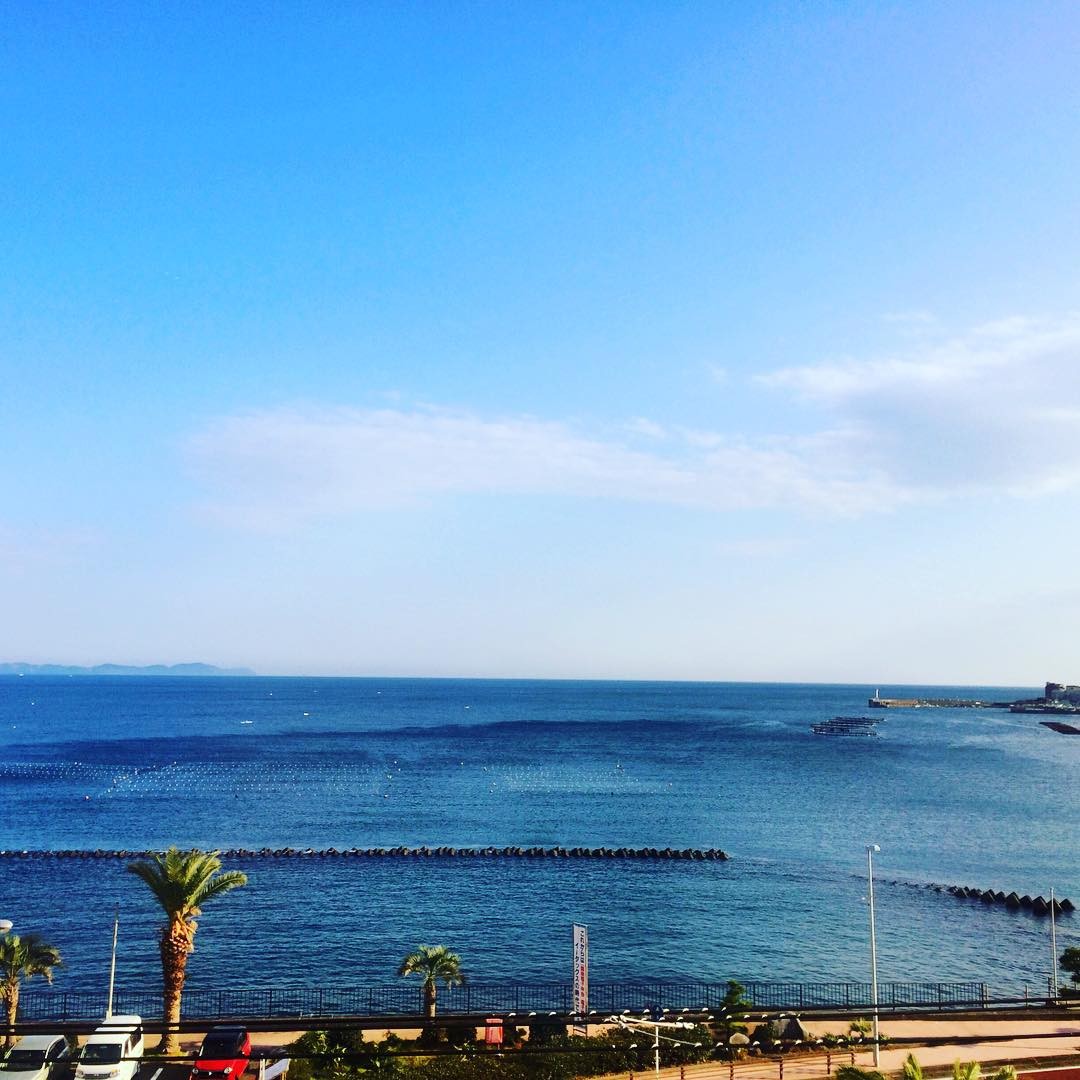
x=120 y=669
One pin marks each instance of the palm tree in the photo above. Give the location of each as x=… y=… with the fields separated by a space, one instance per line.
x=436 y=963
x=854 y=1072
x=22 y=958
x=912 y=1068
x=181 y=881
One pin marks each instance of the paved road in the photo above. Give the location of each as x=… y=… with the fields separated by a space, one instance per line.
x=156 y=1070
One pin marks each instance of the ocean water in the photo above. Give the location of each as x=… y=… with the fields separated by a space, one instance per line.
x=983 y=798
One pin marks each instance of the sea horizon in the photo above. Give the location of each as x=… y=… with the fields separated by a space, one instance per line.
x=140 y=671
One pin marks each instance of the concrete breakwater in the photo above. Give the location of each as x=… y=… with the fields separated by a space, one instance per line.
x=1037 y=905
x=1057 y=698
x=936 y=703
x=692 y=854
x=1013 y=901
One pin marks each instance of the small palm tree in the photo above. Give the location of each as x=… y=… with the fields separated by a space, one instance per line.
x=854 y=1072
x=912 y=1068
x=22 y=958
x=861 y=1027
x=966 y=1070
x=181 y=881
x=435 y=963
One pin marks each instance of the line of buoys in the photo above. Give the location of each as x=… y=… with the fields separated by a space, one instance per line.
x=1037 y=905
x=693 y=854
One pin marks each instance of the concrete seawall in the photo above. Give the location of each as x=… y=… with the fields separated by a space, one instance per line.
x=692 y=854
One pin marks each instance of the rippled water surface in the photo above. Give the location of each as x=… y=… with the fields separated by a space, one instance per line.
x=977 y=797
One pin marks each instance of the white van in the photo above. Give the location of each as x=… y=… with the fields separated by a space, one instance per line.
x=113 y=1051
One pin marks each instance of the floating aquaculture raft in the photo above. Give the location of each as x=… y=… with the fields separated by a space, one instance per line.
x=846 y=725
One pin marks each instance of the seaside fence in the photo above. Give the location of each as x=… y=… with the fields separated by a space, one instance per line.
x=521 y=998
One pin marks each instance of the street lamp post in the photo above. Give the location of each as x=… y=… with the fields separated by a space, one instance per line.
x=870 y=849
x=112 y=964
x=1053 y=950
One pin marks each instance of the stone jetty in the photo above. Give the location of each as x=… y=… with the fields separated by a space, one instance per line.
x=1037 y=905
x=686 y=854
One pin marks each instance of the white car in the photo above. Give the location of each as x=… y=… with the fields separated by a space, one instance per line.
x=113 y=1052
x=36 y=1057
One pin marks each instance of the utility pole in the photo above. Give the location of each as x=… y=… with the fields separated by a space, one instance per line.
x=1053 y=949
x=871 y=848
x=112 y=963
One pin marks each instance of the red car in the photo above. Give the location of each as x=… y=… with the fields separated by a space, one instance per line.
x=225 y=1053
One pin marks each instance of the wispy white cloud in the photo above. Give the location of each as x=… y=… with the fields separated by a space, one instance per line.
x=989 y=411
x=1019 y=351
x=269 y=467
x=641 y=425
x=993 y=411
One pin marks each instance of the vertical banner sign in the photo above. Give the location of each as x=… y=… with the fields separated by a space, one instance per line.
x=581 y=970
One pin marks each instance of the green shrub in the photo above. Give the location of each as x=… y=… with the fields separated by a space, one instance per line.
x=853 y=1072
x=766 y=1035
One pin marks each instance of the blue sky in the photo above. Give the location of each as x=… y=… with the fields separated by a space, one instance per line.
x=724 y=341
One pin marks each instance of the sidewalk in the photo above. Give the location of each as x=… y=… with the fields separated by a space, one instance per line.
x=1025 y=1042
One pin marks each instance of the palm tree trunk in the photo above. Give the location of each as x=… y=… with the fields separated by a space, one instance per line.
x=429 y=999
x=175 y=947
x=11 y=1008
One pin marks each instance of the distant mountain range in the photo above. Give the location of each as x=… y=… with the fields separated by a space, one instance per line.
x=120 y=669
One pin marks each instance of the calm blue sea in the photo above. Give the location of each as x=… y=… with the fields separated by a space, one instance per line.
x=984 y=798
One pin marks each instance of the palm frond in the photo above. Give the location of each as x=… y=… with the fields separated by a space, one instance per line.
x=182 y=881
x=215 y=886
x=22 y=957
x=436 y=963
x=912 y=1068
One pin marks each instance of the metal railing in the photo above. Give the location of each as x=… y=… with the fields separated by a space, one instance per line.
x=522 y=998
